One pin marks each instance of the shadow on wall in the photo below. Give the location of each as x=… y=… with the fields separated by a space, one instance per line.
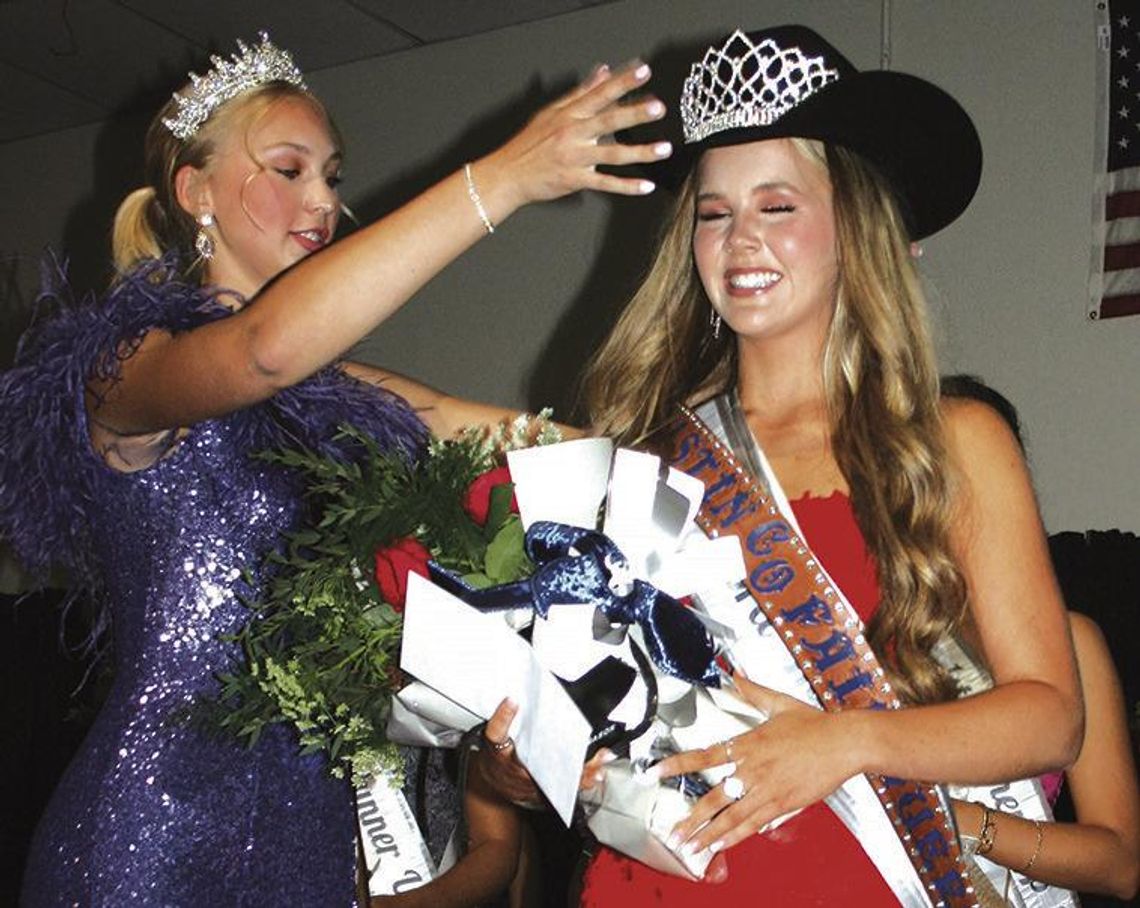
x=626 y=252
x=84 y=237
x=15 y=303
x=477 y=140
x=631 y=231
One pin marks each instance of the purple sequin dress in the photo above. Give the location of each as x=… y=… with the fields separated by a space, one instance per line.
x=152 y=811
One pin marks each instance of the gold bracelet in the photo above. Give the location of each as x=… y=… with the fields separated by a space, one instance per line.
x=1036 y=848
x=476 y=199
x=987 y=832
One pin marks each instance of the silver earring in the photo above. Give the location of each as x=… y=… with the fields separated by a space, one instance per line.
x=714 y=320
x=202 y=241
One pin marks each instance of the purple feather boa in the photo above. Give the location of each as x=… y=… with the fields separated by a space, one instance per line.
x=50 y=479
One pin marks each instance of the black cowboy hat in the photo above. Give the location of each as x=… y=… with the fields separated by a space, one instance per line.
x=788 y=82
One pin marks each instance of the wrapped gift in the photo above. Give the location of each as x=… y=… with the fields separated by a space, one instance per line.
x=597 y=598
x=635 y=818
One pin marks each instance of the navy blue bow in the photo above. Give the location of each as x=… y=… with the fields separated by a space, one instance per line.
x=575 y=565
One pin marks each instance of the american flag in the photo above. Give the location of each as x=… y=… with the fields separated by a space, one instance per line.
x=1119 y=284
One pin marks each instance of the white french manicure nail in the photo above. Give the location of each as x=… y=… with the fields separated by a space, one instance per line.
x=642 y=72
x=646 y=186
x=663 y=149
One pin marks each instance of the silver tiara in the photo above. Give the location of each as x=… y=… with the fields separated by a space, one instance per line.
x=250 y=67
x=746 y=84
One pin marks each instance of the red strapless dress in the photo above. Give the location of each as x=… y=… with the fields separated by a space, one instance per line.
x=810 y=860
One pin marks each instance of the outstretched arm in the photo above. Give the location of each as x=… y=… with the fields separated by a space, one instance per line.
x=313 y=313
x=444 y=414
x=1100 y=852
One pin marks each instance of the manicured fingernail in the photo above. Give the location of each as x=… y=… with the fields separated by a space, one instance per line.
x=512 y=704
x=642 y=72
x=646 y=186
x=663 y=149
x=716 y=847
x=608 y=756
x=655 y=108
x=689 y=849
x=673 y=841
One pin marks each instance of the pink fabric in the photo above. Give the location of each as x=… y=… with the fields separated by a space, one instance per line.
x=1052 y=782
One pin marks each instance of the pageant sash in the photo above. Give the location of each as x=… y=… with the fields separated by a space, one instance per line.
x=823 y=634
x=396 y=858
x=1024 y=798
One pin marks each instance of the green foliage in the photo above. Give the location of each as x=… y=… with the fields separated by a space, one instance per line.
x=322 y=647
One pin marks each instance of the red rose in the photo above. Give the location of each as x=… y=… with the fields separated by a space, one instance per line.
x=477 y=501
x=392 y=565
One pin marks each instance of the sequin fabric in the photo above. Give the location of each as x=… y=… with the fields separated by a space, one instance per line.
x=153 y=811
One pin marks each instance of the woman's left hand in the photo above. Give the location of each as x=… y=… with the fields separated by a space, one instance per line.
x=794 y=759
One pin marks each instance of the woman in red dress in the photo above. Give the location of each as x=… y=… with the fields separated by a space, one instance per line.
x=785 y=290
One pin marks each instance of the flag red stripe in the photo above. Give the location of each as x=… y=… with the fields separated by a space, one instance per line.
x=1115 y=306
x=1126 y=255
x=1122 y=205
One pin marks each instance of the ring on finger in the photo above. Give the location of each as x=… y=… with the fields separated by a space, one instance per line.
x=498 y=746
x=734 y=788
x=728 y=751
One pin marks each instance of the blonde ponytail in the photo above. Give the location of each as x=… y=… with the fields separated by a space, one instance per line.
x=132 y=237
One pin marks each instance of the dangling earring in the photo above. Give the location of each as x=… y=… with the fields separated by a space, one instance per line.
x=714 y=320
x=202 y=242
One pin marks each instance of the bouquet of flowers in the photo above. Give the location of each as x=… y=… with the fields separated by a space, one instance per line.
x=351 y=603
x=322 y=646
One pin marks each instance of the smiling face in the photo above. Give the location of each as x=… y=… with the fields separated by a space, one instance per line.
x=764 y=240
x=271 y=187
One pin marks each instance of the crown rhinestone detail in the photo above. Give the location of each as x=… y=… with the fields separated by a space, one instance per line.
x=744 y=84
x=250 y=67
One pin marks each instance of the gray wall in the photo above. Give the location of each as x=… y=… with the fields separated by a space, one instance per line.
x=515 y=317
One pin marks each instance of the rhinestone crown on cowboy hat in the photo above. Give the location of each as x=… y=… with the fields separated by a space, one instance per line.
x=789 y=82
x=249 y=68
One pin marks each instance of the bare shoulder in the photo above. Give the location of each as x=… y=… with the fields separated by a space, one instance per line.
x=983 y=450
x=976 y=429
x=1086 y=632
x=993 y=487
x=1093 y=654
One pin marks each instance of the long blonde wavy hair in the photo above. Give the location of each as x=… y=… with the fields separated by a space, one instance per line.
x=150 y=222
x=882 y=398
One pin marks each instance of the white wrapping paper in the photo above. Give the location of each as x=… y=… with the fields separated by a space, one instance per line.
x=636 y=818
x=475 y=660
